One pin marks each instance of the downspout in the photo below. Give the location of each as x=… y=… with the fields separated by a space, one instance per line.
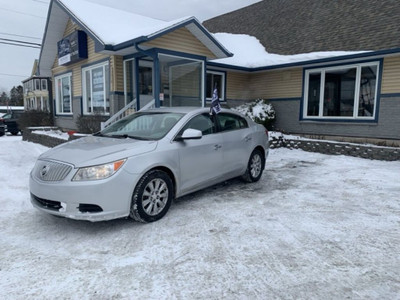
x=156 y=63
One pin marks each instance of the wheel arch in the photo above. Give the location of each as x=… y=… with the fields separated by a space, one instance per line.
x=261 y=149
x=169 y=173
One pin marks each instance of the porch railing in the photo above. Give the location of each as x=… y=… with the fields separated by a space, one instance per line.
x=151 y=104
x=127 y=110
x=130 y=108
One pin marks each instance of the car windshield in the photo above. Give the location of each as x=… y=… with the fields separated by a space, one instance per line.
x=143 y=126
x=7 y=116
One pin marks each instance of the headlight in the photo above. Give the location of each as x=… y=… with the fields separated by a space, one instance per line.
x=98 y=172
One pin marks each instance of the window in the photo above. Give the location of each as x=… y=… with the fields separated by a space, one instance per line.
x=231 y=122
x=145 y=80
x=345 y=92
x=32 y=103
x=43 y=104
x=215 y=80
x=95 y=83
x=37 y=84
x=44 y=85
x=63 y=94
x=143 y=125
x=201 y=122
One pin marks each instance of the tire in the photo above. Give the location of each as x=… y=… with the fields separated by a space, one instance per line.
x=255 y=167
x=14 y=132
x=152 y=197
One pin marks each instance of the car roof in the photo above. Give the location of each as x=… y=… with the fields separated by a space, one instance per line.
x=185 y=109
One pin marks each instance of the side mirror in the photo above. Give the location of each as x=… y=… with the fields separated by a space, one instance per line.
x=190 y=134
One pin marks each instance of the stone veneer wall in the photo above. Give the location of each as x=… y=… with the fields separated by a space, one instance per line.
x=338 y=148
x=45 y=140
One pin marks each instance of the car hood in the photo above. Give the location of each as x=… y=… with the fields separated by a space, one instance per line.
x=94 y=150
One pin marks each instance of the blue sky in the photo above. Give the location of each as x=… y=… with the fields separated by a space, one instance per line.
x=25 y=20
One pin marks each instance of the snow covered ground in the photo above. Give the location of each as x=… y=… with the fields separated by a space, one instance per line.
x=314 y=227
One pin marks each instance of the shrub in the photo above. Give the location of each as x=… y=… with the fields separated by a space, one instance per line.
x=260 y=111
x=32 y=118
x=90 y=124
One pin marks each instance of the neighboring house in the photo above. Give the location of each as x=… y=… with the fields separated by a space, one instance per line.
x=104 y=59
x=353 y=93
x=37 y=91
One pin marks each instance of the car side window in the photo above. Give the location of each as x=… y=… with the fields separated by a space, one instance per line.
x=201 y=122
x=229 y=122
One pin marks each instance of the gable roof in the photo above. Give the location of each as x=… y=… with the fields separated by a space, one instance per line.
x=292 y=27
x=114 y=31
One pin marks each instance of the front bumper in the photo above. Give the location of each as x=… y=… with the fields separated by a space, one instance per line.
x=97 y=200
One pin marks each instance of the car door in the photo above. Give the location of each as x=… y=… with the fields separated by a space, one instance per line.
x=200 y=159
x=237 y=143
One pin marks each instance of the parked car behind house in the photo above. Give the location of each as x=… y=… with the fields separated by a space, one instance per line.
x=10 y=121
x=2 y=125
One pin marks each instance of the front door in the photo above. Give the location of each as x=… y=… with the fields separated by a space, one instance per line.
x=202 y=157
x=146 y=82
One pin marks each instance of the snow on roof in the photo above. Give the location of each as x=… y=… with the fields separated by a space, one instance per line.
x=250 y=53
x=114 y=26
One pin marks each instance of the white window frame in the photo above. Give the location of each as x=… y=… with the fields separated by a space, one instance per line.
x=59 y=110
x=43 y=85
x=222 y=91
x=37 y=85
x=323 y=71
x=84 y=87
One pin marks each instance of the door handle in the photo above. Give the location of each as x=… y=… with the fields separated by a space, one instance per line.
x=216 y=147
x=247 y=138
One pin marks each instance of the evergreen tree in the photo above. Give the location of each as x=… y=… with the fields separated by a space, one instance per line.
x=3 y=98
x=17 y=96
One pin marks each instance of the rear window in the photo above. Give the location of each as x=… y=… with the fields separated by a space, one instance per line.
x=229 y=122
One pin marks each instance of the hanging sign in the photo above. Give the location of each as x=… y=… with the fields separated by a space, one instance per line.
x=72 y=48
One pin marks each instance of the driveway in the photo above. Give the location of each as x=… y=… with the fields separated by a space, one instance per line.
x=314 y=227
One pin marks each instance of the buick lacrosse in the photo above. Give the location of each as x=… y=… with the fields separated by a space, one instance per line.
x=138 y=165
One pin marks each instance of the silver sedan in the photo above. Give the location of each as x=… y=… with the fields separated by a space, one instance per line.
x=137 y=166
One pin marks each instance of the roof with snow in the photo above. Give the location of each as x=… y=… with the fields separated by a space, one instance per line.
x=249 y=53
x=291 y=27
x=115 y=31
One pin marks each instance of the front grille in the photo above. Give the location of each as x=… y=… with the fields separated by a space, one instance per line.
x=50 y=170
x=47 y=204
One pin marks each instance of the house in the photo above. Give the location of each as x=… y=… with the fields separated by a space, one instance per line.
x=326 y=91
x=37 y=91
x=330 y=68
x=128 y=62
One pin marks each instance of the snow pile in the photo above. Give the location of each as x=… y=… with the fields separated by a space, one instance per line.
x=260 y=111
x=53 y=133
x=250 y=53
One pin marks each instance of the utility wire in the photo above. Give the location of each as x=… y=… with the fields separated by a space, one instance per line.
x=21 y=42
x=20 y=45
x=13 y=75
x=17 y=35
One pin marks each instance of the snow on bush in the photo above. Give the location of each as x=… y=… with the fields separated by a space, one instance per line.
x=260 y=111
